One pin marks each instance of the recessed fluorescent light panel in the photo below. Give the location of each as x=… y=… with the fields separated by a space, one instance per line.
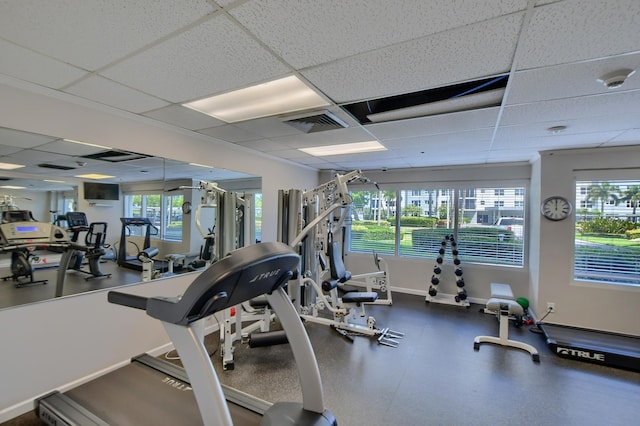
x=94 y=176
x=200 y=165
x=10 y=166
x=348 y=148
x=280 y=96
x=12 y=187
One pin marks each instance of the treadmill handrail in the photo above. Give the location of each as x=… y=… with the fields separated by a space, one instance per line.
x=129 y=300
x=242 y=275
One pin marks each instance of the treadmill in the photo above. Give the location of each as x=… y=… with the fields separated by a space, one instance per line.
x=597 y=347
x=153 y=391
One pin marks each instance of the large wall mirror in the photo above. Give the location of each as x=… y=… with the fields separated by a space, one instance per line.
x=50 y=178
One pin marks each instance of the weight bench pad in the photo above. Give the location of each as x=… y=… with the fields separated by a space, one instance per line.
x=501 y=291
x=360 y=297
x=512 y=306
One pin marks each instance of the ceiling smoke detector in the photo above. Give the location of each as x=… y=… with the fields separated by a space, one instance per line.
x=615 y=79
x=556 y=129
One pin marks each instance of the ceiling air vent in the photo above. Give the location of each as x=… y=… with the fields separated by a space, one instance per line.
x=116 y=156
x=472 y=95
x=55 y=166
x=316 y=122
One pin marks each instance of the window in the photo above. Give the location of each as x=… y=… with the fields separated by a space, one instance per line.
x=165 y=213
x=607 y=237
x=171 y=226
x=489 y=223
x=370 y=229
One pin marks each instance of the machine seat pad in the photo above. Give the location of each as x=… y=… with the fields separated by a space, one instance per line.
x=150 y=252
x=513 y=307
x=360 y=297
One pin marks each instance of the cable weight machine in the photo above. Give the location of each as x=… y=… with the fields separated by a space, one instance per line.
x=313 y=222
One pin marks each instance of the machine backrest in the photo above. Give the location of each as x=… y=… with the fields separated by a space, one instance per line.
x=245 y=273
x=338 y=270
x=96 y=235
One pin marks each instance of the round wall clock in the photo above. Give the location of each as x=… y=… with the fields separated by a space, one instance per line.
x=186 y=207
x=556 y=208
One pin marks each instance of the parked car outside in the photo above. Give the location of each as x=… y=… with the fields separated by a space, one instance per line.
x=513 y=224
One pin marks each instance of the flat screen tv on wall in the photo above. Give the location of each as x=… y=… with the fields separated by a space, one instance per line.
x=101 y=191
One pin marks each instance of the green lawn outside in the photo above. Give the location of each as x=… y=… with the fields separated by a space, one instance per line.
x=613 y=240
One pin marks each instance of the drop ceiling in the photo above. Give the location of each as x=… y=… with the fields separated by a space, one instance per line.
x=148 y=57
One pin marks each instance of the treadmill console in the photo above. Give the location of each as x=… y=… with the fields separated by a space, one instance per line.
x=27 y=232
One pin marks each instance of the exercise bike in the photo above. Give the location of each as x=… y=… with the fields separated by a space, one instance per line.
x=95 y=244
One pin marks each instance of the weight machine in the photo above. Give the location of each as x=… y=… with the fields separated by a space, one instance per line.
x=313 y=223
x=233 y=227
x=377 y=280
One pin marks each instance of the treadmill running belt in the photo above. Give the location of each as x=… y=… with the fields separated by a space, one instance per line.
x=138 y=395
x=615 y=350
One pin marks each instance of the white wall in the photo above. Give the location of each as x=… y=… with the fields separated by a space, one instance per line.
x=579 y=304
x=52 y=344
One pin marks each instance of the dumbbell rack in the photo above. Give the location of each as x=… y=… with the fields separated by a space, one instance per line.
x=460 y=298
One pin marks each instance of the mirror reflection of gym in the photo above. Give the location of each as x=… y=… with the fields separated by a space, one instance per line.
x=47 y=187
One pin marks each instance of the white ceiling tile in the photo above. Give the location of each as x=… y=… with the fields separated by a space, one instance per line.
x=445 y=158
x=435 y=124
x=212 y=57
x=289 y=154
x=27 y=65
x=332 y=137
x=7 y=150
x=269 y=127
x=617 y=122
x=575 y=30
x=389 y=163
x=568 y=80
x=509 y=155
x=230 y=133
x=555 y=141
x=630 y=137
x=267 y=145
x=20 y=139
x=186 y=118
x=61 y=146
x=477 y=140
x=337 y=29
x=107 y=92
x=593 y=106
x=29 y=156
x=451 y=56
x=93 y=33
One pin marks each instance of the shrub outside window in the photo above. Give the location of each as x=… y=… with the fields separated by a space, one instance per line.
x=607 y=237
x=488 y=223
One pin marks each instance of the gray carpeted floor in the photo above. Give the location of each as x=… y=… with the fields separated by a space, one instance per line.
x=435 y=376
